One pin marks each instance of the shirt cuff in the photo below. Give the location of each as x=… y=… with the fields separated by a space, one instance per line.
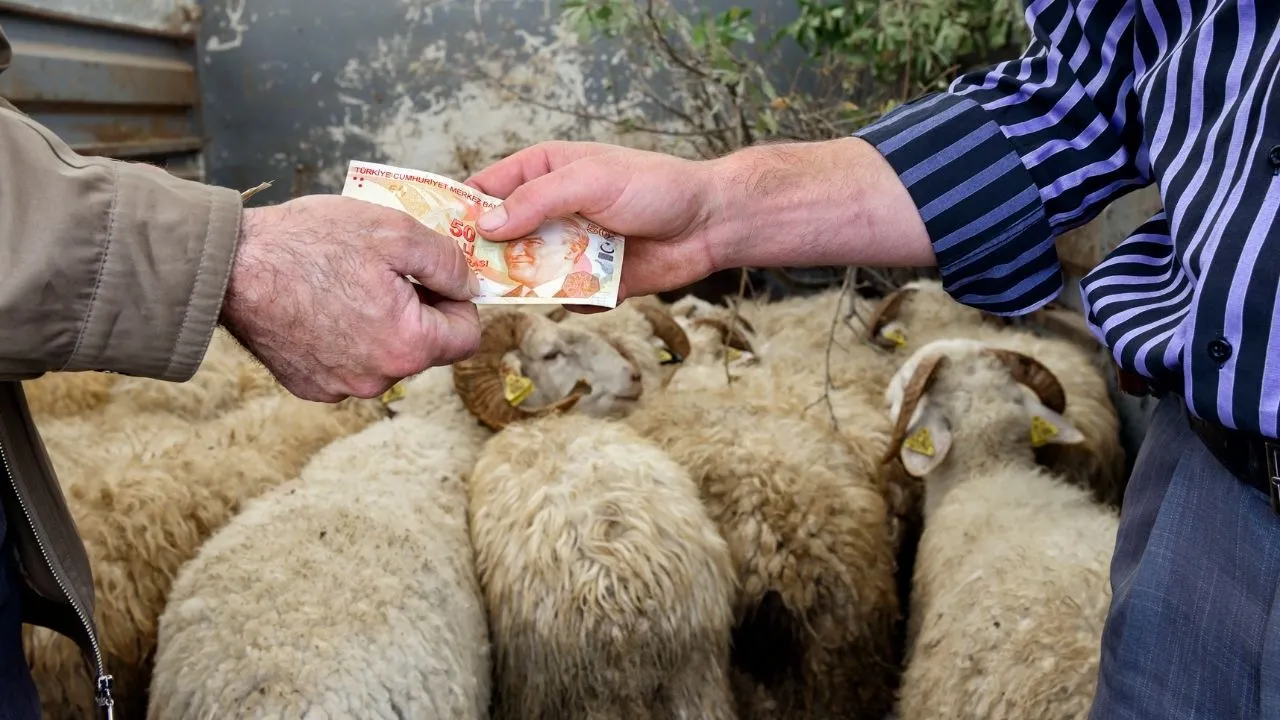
x=982 y=209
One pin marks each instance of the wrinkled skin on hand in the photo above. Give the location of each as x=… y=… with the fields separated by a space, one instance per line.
x=317 y=292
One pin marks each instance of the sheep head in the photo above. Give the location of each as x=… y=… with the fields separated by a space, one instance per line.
x=922 y=433
x=715 y=329
x=920 y=302
x=641 y=325
x=528 y=365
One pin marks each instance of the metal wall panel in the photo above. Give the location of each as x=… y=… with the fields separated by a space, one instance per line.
x=107 y=88
x=165 y=16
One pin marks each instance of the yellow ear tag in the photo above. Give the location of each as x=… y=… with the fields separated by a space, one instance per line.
x=665 y=356
x=393 y=393
x=733 y=354
x=1041 y=431
x=516 y=388
x=898 y=337
x=920 y=441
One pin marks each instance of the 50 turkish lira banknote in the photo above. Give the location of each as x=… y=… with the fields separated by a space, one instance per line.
x=568 y=260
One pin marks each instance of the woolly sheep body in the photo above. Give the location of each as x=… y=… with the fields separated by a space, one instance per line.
x=145 y=510
x=807 y=527
x=607 y=587
x=999 y=626
x=67 y=394
x=350 y=592
x=1011 y=581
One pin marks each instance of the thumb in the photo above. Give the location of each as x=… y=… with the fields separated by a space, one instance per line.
x=453 y=332
x=438 y=263
x=583 y=187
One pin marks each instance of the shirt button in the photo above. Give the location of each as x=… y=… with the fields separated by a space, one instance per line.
x=1273 y=157
x=1219 y=350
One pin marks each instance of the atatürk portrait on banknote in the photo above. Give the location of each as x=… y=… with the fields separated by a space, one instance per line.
x=552 y=262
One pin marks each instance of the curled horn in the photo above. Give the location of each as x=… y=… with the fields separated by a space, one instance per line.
x=1032 y=373
x=667 y=329
x=884 y=313
x=732 y=336
x=478 y=379
x=917 y=386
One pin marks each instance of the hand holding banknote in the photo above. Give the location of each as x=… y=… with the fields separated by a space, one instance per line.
x=318 y=293
x=662 y=204
x=564 y=259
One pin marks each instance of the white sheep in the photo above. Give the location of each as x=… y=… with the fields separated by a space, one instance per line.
x=808 y=529
x=805 y=516
x=1011 y=579
x=607 y=586
x=349 y=592
x=922 y=311
x=146 y=490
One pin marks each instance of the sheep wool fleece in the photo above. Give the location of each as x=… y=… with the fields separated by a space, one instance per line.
x=1196 y=549
x=108 y=266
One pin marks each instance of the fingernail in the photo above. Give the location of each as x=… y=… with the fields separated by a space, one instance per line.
x=474 y=284
x=493 y=219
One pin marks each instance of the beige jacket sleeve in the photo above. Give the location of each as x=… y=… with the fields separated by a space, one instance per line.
x=106 y=265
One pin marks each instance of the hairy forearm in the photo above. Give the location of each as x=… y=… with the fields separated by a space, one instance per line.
x=805 y=204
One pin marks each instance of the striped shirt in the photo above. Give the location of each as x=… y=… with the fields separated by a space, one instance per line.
x=1111 y=96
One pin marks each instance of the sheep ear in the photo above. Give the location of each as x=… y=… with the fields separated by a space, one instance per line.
x=894 y=334
x=1049 y=427
x=927 y=442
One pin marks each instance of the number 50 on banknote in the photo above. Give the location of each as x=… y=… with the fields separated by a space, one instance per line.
x=568 y=260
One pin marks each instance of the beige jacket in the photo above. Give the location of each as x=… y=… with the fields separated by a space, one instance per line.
x=106 y=265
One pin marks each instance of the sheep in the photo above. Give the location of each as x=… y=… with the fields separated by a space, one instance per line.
x=144 y=507
x=786 y=369
x=348 y=592
x=922 y=311
x=572 y=378
x=1011 y=582
x=607 y=586
x=807 y=526
x=806 y=519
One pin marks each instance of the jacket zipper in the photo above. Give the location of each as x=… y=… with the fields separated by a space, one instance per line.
x=102 y=692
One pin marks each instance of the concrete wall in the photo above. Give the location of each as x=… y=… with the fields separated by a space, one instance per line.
x=295 y=89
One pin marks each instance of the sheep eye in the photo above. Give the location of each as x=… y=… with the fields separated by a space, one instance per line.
x=552 y=355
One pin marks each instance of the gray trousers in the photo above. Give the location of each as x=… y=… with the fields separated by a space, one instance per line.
x=1193 y=629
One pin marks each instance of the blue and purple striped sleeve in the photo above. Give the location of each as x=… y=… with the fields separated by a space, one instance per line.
x=1011 y=156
